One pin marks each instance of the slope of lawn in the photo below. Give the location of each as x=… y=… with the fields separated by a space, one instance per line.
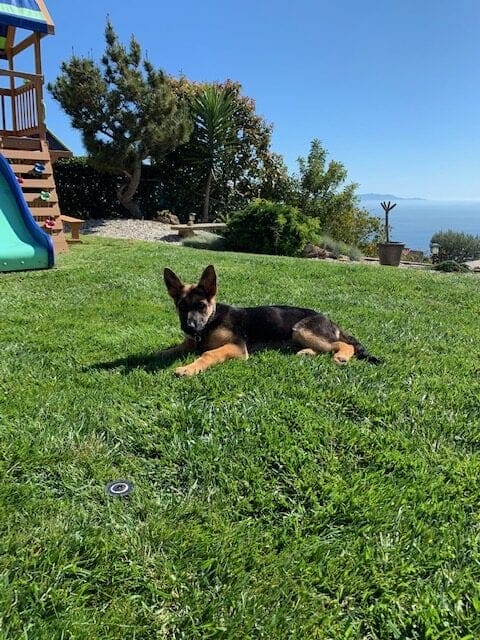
x=278 y=498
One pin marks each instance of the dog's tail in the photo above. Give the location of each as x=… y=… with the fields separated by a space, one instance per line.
x=360 y=351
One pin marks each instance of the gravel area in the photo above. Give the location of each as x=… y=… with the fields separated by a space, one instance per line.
x=130 y=230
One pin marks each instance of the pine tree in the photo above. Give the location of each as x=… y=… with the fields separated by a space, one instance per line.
x=125 y=109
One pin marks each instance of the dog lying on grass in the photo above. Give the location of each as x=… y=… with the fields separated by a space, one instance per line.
x=219 y=332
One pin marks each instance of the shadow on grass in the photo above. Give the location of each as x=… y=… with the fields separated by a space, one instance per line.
x=150 y=362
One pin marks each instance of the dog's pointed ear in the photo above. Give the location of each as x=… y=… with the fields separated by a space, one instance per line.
x=173 y=283
x=208 y=281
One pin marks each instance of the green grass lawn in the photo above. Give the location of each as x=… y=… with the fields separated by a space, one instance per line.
x=279 y=498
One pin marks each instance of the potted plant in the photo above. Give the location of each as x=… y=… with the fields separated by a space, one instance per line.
x=389 y=253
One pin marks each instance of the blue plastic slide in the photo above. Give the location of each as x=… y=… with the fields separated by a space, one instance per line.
x=23 y=244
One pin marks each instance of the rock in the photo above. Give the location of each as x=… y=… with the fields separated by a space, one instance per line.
x=166 y=217
x=342 y=258
x=312 y=251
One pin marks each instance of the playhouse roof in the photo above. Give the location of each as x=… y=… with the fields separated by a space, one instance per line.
x=26 y=14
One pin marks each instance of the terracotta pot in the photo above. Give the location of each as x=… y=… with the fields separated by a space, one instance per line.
x=390 y=253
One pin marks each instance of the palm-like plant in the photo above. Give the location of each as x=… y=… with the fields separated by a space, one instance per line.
x=387 y=207
x=214 y=133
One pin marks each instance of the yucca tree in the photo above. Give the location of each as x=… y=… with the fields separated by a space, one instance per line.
x=214 y=133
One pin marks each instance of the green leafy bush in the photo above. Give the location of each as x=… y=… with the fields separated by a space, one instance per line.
x=457 y=246
x=269 y=227
x=451 y=265
x=87 y=193
x=324 y=194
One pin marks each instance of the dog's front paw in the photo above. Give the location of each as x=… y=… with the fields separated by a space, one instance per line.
x=187 y=371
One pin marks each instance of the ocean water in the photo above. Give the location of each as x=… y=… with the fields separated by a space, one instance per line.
x=415 y=221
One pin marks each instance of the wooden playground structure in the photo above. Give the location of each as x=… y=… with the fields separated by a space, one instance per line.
x=26 y=143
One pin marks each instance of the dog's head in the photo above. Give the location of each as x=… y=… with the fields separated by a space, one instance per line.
x=195 y=302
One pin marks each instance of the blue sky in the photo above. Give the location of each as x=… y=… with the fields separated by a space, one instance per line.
x=391 y=88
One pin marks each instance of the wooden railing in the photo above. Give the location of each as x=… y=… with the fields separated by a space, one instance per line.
x=21 y=107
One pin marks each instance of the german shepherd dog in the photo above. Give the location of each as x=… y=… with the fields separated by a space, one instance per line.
x=218 y=332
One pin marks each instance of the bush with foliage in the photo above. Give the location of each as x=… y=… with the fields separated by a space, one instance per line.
x=457 y=246
x=323 y=194
x=270 y=227
x=451 y=266
x=355 y=226
x=85 y=192
x=338 y=248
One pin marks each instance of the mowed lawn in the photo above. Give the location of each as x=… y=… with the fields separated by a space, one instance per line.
x=279 y=498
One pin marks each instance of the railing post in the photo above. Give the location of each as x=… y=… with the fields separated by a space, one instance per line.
x=12 y=92
x=39 y=89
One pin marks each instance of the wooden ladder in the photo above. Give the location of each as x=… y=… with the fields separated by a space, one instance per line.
x=38 y=186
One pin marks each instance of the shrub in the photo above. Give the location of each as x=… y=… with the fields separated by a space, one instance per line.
x=87 y=193
x=354 y=226
x=451 y=265
x=323 y=194
x=269 y=227
x=340 y=248
x=457 y=246
x=206 y=241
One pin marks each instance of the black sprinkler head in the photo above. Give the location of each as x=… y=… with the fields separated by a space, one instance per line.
x=119 y=488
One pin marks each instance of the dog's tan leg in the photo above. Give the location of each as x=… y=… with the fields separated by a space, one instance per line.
x=307 y=352
x=315 y=344
x=214 y=356
x=187 y=346
x=343 y=352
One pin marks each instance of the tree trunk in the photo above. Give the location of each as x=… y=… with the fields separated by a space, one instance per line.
x=133 y=208
x=206 y=200
x=126 y=192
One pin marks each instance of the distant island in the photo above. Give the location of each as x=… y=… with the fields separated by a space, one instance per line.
x=383 y=196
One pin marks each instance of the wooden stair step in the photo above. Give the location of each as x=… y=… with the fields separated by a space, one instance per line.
x=43 y=213
x=28 y=168
x=58 y=228
x=14 y=142
x=35 y=203
x=28 y=155
x=43 y=184
x=34 y=196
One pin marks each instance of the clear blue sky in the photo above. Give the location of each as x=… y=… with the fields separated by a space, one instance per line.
x=391 y=88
